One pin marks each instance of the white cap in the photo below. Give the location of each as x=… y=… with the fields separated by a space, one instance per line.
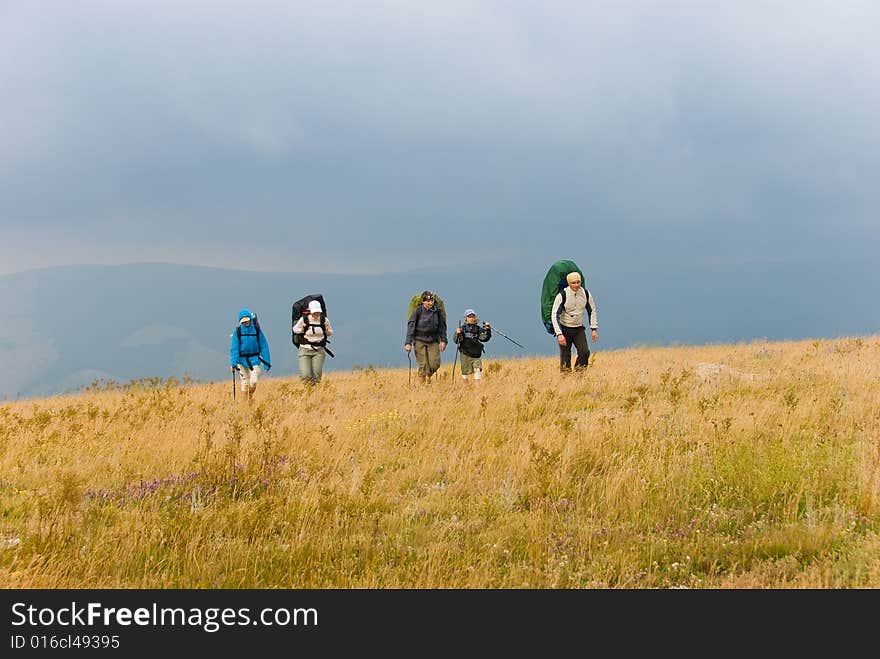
x=315 y=307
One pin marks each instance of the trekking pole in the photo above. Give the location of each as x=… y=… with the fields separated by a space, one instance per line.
x=409 y=379
x=456 y=356
x=233 y=384
x=507 y=337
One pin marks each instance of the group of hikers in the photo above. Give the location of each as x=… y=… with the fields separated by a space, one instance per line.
x=249 y=349
x=426 y=337
x=571 y=311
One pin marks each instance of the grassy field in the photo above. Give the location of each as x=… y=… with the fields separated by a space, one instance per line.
x=726 y=466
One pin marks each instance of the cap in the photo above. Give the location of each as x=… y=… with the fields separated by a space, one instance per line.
x=469 y=312
x=315 y=307
x=427 y=295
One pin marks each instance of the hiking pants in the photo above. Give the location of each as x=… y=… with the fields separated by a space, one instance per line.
x=248 y=377
x=311 y=362
x=427 y=356
x=578 y=337
x=471 y=365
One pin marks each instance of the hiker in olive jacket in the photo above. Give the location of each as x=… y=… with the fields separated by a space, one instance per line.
x=426 y=332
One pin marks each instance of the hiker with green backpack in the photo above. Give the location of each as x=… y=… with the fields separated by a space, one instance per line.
x=426 y=334
x=572 y=306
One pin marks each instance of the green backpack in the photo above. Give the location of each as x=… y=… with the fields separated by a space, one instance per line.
x=554 y=283
x=417 y=301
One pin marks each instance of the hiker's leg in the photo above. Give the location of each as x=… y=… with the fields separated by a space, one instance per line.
x=565 y=351
x=583 y=350
x=243 y=377
x=318 y=364
x=304 y=359
x=255 y=372
x=477 y=365
x=467 y=365
x=421 y=350
x=433 y=352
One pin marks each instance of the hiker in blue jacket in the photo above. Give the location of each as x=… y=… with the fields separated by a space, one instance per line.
x=248 y=352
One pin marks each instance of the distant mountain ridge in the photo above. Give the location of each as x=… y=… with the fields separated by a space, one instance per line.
x=68 y=326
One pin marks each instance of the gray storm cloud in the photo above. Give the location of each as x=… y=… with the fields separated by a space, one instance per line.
x=204 y=132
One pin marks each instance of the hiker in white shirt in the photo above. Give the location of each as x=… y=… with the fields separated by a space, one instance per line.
x=315 y=329
x=568 y=322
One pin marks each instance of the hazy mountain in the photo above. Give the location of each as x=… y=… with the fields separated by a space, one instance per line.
x=65 y=327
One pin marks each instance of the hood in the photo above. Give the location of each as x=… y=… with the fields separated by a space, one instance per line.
x=245 y=313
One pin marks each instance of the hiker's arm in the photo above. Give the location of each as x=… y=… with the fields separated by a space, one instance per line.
x=554 y=315
x=594 y=321
x=327 y=329
x=410 y=329
x=264 y=352
x=233 y=350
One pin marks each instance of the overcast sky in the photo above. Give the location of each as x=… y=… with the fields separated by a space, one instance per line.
x=370 y=136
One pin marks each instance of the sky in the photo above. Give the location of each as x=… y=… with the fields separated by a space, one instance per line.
x=382 y=136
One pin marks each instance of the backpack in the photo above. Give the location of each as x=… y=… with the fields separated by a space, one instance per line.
x=299 y=309
x=416 y=302
x=554 y=283
x=256 y=324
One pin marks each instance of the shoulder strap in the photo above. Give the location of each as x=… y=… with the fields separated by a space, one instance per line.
x=322 y=324
x=560 y=309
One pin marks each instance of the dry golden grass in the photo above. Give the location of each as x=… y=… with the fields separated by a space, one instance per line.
x=726 y=466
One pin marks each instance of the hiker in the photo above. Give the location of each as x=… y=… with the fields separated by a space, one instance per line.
x=426 y=332
x=248 y=352
x=568 y=322
x=470 y=339
x=315 y=329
